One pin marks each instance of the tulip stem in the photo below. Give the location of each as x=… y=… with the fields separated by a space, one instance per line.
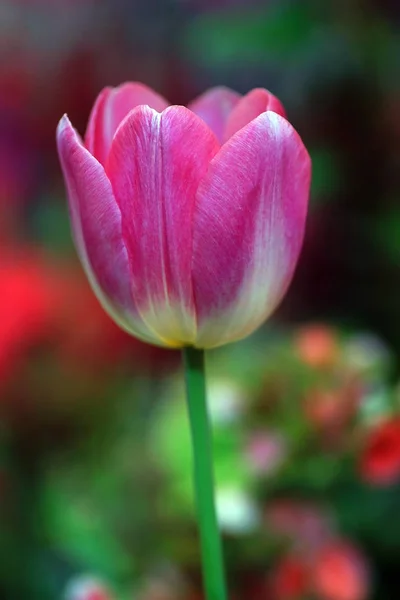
x=211 y=550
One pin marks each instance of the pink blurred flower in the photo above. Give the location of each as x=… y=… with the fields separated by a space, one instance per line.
x=340 y=572
x=317 y=345
x=305 y=524
x=380 y=458
x=265 y=452
x=188 y=221
x=336 y=571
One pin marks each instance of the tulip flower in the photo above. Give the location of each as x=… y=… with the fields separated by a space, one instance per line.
x=188 y=221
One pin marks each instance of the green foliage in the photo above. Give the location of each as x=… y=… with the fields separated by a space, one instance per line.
x=272 y=33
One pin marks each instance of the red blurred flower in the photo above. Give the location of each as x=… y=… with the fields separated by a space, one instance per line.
x=380 y=459
x=26 y=299
x=290 y=578
x=43 y=303
x=86 y=337
x=97 y=595
x=317 y=345
x=340 y=572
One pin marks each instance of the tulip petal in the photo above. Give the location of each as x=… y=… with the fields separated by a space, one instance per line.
x=111 y=107
x=155 y=165
x=96 y=226
x=249 y=107
x=248 y=228
x=214 y=107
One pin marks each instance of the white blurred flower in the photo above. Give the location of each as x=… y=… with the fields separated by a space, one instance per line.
x=226 y=400
x=366 y=351
x=236 y=511
x=376 y=402
x=86 y=587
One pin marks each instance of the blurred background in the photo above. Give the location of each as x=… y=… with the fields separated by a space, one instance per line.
x=95 y=473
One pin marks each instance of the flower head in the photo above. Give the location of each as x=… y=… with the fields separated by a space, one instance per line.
x=265 y=452
x=290 y=578
x=26 y=300
x=340 y=572
x=317 y=345
x=86 y=587
x=380 y=459
x=188 y=221
x=305 y=525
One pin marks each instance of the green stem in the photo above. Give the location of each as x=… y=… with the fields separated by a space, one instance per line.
x=211 y=552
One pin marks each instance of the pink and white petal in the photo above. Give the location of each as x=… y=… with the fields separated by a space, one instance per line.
x=249 y=107
x=155 y=165
x=214 y=107
x=111 y=107
x=96 y=226
x=248 y=228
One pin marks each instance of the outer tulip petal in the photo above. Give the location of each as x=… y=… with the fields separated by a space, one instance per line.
x=249 y=107
x=214 y=107
x=111 y=107
x=248 y=228
x=155 y=165
x=96 y=225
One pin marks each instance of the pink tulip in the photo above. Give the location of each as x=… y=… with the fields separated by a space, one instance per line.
x=188 y=221
x=340 y=572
